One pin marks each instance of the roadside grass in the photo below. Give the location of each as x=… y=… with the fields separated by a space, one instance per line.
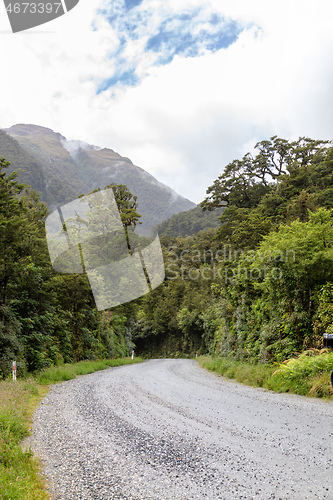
x=307 y=375
x=20 y=471
x=55 y=374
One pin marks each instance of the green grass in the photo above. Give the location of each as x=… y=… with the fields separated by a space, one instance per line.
x=307 y=375
x=20 y=477
x=65 y=372
x=19 y=471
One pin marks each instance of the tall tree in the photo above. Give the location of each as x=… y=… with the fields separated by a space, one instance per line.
x=244 y=182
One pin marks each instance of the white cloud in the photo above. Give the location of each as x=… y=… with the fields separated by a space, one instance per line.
x=185 y=120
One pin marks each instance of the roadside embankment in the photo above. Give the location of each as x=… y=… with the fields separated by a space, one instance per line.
x=307 y=375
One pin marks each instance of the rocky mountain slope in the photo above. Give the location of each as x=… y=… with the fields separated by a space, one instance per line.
x=61 y=170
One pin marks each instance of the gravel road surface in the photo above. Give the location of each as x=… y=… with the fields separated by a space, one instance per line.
x=166 y=429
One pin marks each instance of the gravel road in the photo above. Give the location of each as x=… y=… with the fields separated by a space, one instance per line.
x=166 y=429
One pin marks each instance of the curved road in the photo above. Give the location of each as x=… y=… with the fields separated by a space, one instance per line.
x=166 y=429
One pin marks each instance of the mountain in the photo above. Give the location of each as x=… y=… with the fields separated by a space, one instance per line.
x=60 y=170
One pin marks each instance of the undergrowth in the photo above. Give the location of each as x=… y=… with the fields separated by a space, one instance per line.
x=307 y=375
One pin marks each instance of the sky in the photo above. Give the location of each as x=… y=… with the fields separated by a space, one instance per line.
x=181 y=87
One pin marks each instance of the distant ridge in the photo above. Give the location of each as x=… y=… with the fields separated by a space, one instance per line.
x=190 y=222
x=60 y=170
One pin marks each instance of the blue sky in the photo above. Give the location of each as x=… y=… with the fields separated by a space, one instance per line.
x=192 y=32
x=181 y=87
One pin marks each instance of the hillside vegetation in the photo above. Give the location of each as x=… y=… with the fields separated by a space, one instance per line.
x=190 y=222
x=258 y=288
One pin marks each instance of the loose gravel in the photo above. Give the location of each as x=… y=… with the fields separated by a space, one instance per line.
x=166 y=429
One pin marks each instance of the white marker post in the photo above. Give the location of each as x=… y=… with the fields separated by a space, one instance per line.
x=196 y=354
x=132 y=354
x=14 y=370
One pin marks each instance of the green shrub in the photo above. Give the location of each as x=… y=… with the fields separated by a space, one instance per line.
x=307 y=375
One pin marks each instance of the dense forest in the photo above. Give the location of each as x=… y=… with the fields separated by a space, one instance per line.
x=190 y=222
x=258 y=287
